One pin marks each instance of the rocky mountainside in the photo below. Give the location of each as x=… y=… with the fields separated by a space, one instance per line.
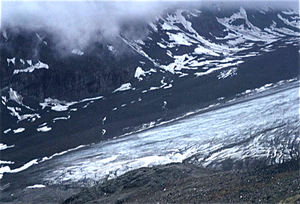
x=182 y=183
x=182 y=42
x=58 y=99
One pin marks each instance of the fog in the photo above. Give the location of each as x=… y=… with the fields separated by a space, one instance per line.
x=78 y=23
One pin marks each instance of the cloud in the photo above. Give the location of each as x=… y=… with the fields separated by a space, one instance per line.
x=78 y=23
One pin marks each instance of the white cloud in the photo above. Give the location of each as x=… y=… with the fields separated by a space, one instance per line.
x=77 y=23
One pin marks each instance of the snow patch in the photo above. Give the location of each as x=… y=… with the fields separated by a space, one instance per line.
x=57 y=105
x=44 y=129
x=138 y=73
x=124 y=87
x=203 y=50
x=227 y=73
x=36 y=186
x=5 y=146
x=61 y=118
x=19 y=130
x=288 y=12
x=38 y=65
x=13 y=95
x=6 y=162
x=111 y=48
x=6 y=169
x=12 y=60
x=77 y=52
x=179 y=39
x=294 y=23
x=7 y=131
x=4 y=35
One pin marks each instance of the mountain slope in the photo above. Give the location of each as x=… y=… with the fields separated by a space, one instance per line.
x=55 y=101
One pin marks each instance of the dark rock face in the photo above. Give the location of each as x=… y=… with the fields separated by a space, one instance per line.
x=101 y=67
x=70 y=76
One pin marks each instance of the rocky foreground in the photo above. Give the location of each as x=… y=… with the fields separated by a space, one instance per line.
x=187 y=183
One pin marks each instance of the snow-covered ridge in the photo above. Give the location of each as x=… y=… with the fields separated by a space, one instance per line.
x=250 y=32
x=181 y=35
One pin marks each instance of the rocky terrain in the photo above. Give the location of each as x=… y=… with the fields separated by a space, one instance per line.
x=186 y=183
x=189 y=103
x=178 y=183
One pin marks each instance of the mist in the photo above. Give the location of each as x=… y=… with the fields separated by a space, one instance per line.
x=76 y=24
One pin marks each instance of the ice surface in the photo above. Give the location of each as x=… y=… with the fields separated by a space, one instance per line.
x=61 y=153
x=203 y=133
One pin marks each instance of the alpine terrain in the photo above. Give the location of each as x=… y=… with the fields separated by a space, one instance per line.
x=200 y=85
